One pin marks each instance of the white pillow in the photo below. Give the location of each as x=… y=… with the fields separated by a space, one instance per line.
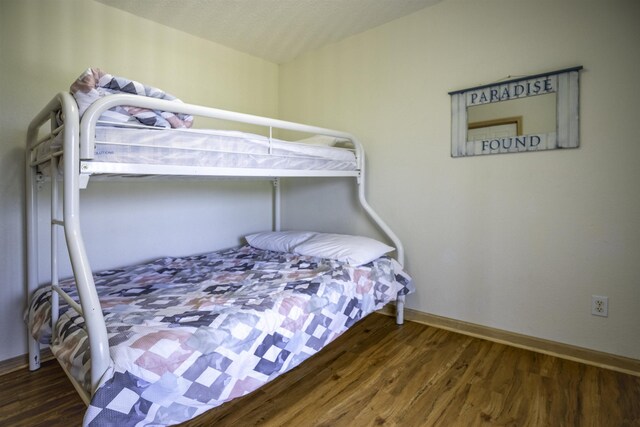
x=354 y=250
x=280 y=241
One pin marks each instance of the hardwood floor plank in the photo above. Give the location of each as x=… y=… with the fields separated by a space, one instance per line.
x=379 y=373
x=41 y=398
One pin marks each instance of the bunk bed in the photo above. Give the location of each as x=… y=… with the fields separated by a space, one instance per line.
x=161 y=342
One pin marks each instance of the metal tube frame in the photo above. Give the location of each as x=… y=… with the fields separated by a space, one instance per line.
x=92 y=312
x=78 y=148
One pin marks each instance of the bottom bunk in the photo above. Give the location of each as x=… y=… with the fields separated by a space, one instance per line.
x=190 y=333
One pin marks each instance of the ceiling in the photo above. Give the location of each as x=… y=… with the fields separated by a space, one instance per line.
x=276 y=30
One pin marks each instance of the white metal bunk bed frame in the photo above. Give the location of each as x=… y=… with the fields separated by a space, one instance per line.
x=78 y=149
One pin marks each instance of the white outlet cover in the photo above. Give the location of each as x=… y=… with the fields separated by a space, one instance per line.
x=600 y=305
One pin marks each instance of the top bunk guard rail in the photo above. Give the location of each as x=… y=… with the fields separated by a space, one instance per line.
x=93 y=113
x=78 y=150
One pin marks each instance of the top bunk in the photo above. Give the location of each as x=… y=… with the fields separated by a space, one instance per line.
x=112 y=127
x=141 y=131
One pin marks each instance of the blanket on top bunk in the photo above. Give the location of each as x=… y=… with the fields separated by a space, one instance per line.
x=94 y=84
x=188 y=334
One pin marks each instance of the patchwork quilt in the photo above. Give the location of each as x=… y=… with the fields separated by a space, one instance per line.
x=94 y=84
x=190 y=333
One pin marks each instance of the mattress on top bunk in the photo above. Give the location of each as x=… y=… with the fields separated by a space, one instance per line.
x=210 y=148
x=188 y=334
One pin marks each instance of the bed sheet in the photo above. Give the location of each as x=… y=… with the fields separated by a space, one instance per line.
x=211 y=148
x=190 y=333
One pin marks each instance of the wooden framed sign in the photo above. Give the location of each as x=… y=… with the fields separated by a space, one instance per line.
x=533 y=113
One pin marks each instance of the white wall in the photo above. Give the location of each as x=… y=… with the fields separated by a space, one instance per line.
x=518 y=242
x=44 y=46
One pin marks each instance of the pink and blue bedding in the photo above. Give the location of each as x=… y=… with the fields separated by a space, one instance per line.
x=94 y=84
x=190 y=333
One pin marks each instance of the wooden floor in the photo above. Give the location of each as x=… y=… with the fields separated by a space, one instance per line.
x=382 y=374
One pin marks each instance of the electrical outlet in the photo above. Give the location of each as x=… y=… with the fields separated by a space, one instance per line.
x=599 y=305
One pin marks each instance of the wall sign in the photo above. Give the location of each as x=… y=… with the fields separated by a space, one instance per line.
x=534 y=113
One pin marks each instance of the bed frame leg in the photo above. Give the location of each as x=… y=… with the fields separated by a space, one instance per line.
x=400 y=310
x=34 y=354
x=277 y=222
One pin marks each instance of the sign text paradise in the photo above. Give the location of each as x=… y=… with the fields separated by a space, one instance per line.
x=521 y=89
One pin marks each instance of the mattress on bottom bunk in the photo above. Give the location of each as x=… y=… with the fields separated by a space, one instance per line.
x=188 y=334
x=210 y=148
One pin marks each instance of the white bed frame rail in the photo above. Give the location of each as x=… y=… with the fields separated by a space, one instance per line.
x=78 y=149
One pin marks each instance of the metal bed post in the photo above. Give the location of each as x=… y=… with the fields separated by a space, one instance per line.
x=31 y=211
x=92 y=311
x=277 y=219
x=380 y=222
x=55 y=222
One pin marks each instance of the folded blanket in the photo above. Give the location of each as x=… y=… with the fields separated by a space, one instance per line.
x=93 y=84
